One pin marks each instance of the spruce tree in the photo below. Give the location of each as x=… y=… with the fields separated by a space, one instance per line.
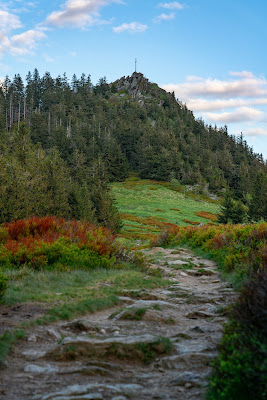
x=232 y=211
x=258 y=207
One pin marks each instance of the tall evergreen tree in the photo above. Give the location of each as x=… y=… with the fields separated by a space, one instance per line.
x=258 y=207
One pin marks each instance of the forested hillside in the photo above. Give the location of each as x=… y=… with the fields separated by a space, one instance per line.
x=84 y=132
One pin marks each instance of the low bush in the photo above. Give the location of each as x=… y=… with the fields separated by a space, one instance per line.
x=52 y=242
x=3 y=285
x=206 y=215
x=240 y=371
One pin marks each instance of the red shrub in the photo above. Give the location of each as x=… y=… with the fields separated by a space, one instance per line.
x=40 y=226
x=206 y=215
x=12 y=245
x=16 y=229
x=32 y=232
x=101 y=240
x=187 y=221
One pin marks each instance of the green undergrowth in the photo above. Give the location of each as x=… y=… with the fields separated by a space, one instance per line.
x=3 y=285
x=240 y=371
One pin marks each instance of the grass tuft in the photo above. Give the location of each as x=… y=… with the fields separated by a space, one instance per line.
x=7 y=340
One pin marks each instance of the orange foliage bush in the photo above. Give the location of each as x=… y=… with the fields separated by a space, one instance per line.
x=187 y=221
x=206 y=215
x=32 y=232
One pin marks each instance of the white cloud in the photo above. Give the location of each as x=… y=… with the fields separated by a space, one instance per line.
x=240 y=101
x=4 y=42
x=164 y=17
x=25 y=7
x=174 y=5
x=78 y=13
x=256 y=132
x=214 y=105
x=242 y=114
x=25 y=42
x=21 y=44
x=242 y=94
x=73 y=13
x=8 y=21
x=212 y=88
x=133 y=27
x=242 y=74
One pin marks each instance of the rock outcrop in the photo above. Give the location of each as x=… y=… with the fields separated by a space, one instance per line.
x=136 y=85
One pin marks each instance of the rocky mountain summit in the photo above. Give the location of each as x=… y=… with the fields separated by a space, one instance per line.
x=135 y=84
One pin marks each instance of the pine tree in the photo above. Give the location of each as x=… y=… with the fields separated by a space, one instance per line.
x=258 y=206
x=103 y=204
x=232 y=211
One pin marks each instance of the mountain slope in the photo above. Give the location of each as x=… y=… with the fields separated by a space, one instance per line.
x=130 y=124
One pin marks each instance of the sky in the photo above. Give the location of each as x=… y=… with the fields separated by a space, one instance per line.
x=211 y=53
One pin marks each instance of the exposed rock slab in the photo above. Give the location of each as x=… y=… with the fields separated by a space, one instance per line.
x=121 y=347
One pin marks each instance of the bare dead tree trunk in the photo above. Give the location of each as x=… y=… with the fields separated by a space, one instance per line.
x=24 y=116
x=6 y=120
x=49 y=122
x=10 y=112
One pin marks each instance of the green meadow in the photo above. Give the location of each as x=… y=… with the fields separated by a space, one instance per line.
x=146 y=207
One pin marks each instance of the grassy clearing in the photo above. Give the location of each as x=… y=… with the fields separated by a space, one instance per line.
x=147 y=207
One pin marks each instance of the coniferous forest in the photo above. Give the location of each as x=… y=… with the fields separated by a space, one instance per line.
x=63 y=141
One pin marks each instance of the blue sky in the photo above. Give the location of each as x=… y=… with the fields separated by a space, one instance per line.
x=212 y=53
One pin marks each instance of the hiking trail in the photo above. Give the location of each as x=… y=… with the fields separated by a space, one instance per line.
x=156 y=344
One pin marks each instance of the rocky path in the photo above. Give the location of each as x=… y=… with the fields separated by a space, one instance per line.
x=156 y=345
